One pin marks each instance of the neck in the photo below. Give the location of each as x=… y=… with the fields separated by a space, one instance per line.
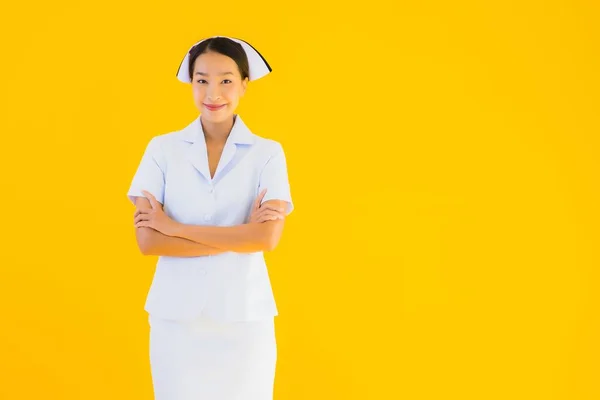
x=217 y=132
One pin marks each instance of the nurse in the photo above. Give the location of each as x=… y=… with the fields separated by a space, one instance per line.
x=210 y=199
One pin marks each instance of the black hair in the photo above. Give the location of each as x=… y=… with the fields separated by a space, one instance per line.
x=223 y=46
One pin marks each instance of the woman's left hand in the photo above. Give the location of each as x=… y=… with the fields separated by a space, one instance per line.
x=155 y=217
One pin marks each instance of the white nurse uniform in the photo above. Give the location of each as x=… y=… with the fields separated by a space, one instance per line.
x=212 y=317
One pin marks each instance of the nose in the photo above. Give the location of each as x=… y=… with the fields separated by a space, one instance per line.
x=213 y=93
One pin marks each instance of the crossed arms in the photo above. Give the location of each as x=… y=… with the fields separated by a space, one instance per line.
x=157 y=234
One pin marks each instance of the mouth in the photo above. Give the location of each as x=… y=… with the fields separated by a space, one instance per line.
x=214 y=107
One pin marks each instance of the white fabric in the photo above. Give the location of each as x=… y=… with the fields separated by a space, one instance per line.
x=208 y=360
x=174 y=168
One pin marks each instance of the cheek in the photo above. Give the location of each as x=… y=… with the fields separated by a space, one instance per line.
x=198 y=92
x=232 y=93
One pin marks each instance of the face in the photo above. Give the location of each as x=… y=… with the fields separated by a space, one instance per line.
x=217 y=86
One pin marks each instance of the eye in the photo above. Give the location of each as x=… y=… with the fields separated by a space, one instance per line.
x=226 y=81
x=201 y=81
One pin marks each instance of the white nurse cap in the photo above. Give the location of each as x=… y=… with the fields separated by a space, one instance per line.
x=257 y=64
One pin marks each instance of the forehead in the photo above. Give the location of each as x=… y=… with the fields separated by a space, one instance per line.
x=214 y=62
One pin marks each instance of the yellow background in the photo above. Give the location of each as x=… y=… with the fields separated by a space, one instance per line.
x=444 y=163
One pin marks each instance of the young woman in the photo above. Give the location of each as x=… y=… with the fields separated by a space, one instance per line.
x=210 y=199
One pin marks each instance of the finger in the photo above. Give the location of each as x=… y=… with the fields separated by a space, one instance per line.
x=273 y=212
x=272 y=208
x=142 y=217
x=255 y=204
x=270 y=215
x=152 y=199
x=269 y=208
x=144 y=213
x=141 y=211
x=266 y=207
x=259 y=198
x=267 y=218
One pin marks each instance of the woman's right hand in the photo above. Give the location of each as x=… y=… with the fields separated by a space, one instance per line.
x=265 y=212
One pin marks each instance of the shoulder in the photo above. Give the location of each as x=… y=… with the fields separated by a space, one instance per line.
x=163 y=143
x=267 y=147
x=165 y=139
x=268 y=152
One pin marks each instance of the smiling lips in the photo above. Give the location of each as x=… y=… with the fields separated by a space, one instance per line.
x=214 y=107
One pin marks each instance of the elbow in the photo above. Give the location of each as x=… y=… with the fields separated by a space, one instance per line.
x=144 y=241
x=271 y=242
x=145 y=250
x=268 y=247
x=271 y=235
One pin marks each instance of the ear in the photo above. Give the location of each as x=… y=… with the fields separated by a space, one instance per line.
x=244 y=86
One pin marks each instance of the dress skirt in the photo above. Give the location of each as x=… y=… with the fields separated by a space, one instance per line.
x=206 y=359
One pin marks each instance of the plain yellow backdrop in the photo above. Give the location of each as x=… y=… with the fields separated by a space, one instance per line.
x=444 y=162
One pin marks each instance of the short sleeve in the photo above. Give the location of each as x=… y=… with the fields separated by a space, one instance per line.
x=274 y=178
x=149 y=175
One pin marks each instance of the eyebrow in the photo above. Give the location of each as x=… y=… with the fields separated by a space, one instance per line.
x=205 y=74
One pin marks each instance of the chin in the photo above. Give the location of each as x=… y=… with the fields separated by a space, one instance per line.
x=220 y=116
